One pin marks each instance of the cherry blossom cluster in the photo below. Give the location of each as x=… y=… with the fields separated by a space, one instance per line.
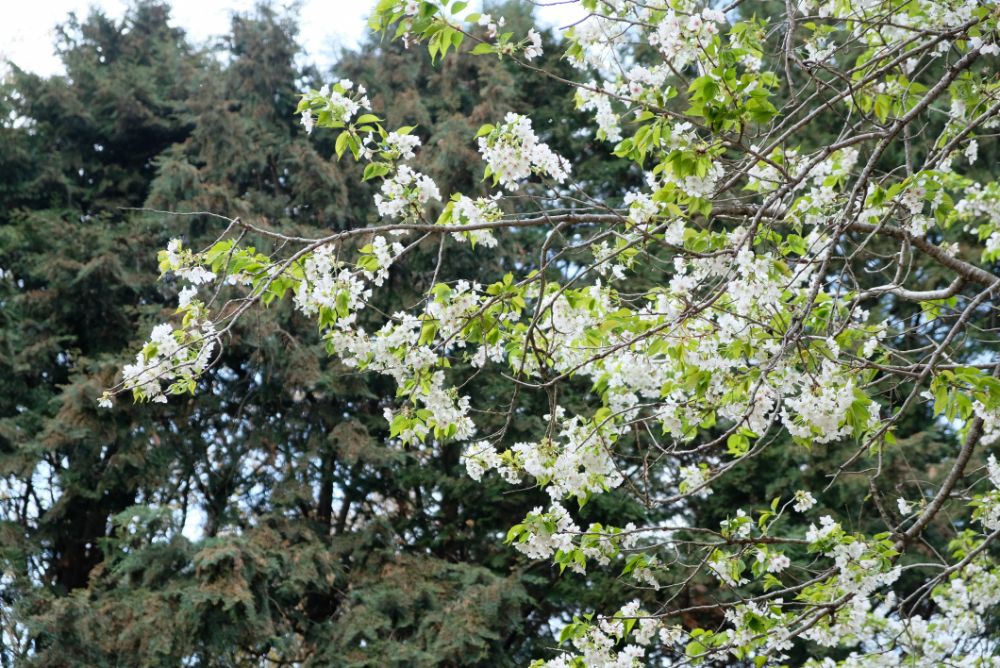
x=173 y=359
x=513 y=153
x=479 y=212
x=405 y=194
x=335 y=105
x=747 y=294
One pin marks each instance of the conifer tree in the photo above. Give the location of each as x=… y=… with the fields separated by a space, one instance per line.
x=275 y=521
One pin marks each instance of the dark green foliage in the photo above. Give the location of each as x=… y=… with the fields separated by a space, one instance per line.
x=314 y=540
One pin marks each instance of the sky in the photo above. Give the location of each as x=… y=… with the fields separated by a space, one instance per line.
x=27 y=29
x=26 y=33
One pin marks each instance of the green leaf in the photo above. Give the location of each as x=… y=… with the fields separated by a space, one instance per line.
x=883 y=104
x=341 y=144
x=737 y=445
x=376 y=169
x=695 y=650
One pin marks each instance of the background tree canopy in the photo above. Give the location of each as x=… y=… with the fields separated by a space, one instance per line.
x=307 y=538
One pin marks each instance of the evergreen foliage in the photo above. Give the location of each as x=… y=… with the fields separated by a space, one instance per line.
x=308 y=538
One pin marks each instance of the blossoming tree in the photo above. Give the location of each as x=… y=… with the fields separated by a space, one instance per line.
x=774 y=280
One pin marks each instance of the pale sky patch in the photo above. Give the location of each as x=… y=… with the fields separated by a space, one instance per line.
x=27 y=32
